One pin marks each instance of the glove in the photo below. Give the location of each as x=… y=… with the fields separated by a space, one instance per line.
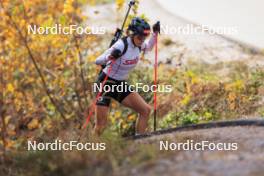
x=156 y=27
x=115 y=54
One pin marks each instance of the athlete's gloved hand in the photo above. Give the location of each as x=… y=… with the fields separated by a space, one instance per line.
x=115 y=54
x=156 y=27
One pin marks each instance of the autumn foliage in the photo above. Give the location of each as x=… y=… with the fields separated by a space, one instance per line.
x=43 y=77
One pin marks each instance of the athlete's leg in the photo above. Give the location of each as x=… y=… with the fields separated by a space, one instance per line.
x=137 y=103
x=101 y=119
x=102 y=106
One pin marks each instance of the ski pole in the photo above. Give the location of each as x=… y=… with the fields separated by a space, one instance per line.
x=97 y=97
x=155 y=82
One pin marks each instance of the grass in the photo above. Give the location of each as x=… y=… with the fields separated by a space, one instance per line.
x=200 y=95
x=119 y=154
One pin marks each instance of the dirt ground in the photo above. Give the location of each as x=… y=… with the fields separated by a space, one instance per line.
x=247 y=160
